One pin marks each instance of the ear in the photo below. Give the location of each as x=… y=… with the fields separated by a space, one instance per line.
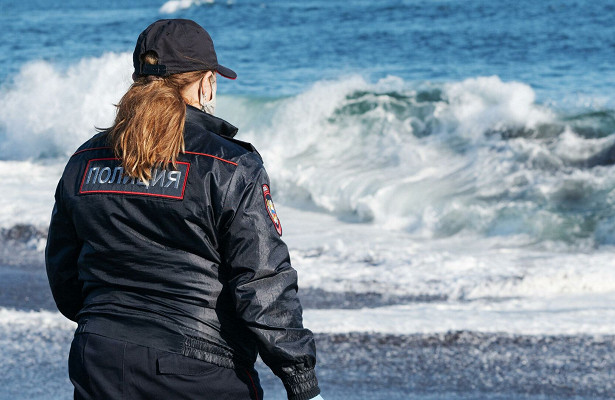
x=205 y=85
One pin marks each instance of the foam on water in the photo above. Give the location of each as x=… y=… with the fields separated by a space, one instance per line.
x=438 y=195
x=477 y=156
x=173 y=6
x=48 y=320
x=29 y=199
x=357 y=262
x=553 y=316
x=34 y=352
x=49 y=112
x=337 y=257
x=472 y=157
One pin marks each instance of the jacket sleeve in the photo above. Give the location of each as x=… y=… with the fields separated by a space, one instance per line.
x=61 y=254
x=263 y=282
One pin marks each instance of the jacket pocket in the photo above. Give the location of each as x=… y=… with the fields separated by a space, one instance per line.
x=176 y=364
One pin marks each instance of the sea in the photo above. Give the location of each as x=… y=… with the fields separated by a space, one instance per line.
x=444 y=171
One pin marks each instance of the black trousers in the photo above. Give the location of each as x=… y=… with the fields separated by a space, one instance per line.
x=108 y=369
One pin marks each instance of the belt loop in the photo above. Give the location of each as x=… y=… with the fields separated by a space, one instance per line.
x=81 y=326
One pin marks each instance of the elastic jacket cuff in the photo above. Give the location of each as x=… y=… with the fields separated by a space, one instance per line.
x=307 y=395
x=303 y=386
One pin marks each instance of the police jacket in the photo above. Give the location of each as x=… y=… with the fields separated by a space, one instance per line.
x=190 y=262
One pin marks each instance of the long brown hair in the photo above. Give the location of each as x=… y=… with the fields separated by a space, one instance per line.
x=149 y=126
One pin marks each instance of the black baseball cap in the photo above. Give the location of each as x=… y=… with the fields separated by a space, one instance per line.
x=182 y=45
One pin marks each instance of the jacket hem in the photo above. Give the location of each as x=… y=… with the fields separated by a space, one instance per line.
x=160 y=336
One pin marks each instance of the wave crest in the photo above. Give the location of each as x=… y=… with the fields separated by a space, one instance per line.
x=48 y=112
x=478 y=156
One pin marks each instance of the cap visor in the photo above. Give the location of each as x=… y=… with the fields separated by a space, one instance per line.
x=226 y=72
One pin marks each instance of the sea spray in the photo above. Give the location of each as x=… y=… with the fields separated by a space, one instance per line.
x=48 y=112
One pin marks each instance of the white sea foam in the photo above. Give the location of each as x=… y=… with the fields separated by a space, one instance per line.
x=447 y=211
x=477 y=105
x=48 y=111
x=366 y=151
x=46 y=320
x=436 y=168
x=551 y=316
x=556 y=315
x=172 y=6
x=576 y=149
x=29 y=198
x=339 y=257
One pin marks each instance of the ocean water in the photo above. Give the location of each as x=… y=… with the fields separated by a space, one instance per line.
x=444 y=172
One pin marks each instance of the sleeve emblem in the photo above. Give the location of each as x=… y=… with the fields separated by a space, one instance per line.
x=273 y=215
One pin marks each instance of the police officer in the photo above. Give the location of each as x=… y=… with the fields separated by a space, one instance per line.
x=165 y=246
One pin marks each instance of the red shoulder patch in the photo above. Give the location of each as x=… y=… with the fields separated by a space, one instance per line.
x=271 y=210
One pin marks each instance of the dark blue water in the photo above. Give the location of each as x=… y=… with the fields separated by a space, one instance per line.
x=564 y=49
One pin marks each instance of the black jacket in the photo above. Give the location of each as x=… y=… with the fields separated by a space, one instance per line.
x=192 y=263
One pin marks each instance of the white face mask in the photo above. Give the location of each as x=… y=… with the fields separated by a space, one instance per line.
x=209 y=107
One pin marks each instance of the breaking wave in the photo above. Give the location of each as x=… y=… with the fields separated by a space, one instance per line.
x=46 y=112
x=479 y=156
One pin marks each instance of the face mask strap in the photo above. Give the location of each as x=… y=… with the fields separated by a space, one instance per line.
x=212 y=85
x=202 y=92
x=208 y=106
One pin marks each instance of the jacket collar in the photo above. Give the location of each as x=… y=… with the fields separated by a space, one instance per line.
x=210 y=122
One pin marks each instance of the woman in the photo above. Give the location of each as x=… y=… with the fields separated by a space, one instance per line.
x=164 y=244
